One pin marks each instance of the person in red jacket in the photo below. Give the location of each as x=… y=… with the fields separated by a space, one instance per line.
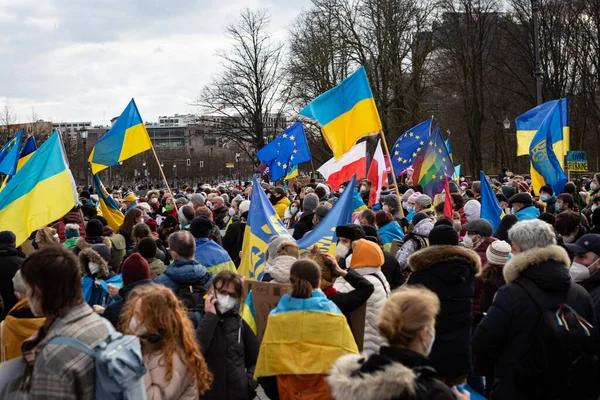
x=72 y=217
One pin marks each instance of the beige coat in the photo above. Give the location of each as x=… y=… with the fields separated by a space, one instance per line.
x=181 y=386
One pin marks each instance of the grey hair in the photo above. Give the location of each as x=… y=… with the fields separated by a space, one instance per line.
x=476 y=186
x=19 y=283
x=531 y=234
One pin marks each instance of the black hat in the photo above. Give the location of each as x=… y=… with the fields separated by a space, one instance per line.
x=547 y=189
x=245 y=215
x=85 y=194
x=7 y=237
x=101 y=219
x=443 y=221
x=420 y=216
x=479 y=226
x=322 y=211
x=524 y=198
x=586 y=243
x=501 y=197
x=201 y=227
x=169 y=222
x=371 y=231
x=94 y=228
x=350 y=231
x=443 y=235
x=103 y=250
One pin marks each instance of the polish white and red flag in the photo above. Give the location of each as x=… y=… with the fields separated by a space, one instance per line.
x=377 y=175
x=352 y=162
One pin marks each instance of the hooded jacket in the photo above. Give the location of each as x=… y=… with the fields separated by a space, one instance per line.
x=392 y=374
x=449 y=271
x=182 y=272
x=10 y=262
x=410 y=245
x=19 y=324
x=304 y=225
x=281 y=206
x=507 y=332
x=157 y=267
x=527 y=213
x=113 y=310
x=182 y=385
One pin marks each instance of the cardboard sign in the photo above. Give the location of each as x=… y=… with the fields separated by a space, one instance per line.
x=357 y=324
x=265 y=297
x=577 y=161
x=27 y=247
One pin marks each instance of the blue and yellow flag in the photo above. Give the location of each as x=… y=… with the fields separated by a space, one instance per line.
x=408 y=145
x=449 y=147
x=41 y=192
x=433 y=165
x=357 y=202
x=27 y=151
x=292 y=174
x=262 y=224
x=490 y=208
x=456 y=175
x=340 y=214
x=304 y=336
x=108 y=205
x=125 y=139
x=346 y=113
x=545 y=165
x=290 y=148
x=528 y=124
x=9 y=155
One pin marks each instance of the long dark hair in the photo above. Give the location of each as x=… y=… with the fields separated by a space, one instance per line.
x=129 y=222
x=305 y=276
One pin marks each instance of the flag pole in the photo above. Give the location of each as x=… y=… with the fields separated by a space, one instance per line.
x=164 y=177
x=387 y=151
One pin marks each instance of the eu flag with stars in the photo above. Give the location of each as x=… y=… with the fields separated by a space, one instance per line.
x=9 y=155
x=409 y=144
x=288 y=149
x=433 y=165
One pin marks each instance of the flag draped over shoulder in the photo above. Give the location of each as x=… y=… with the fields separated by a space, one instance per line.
x=433 y=164
x=304 y=336
x=545 y=166
x=346 y=113
x=408 y=145
x=262 y=224
x=490 y=208
x=9 y=154
x=289 y=149
x=28 y=149
x=125 y=139
x=108 y=205
x=529 y=123
x=41 y=192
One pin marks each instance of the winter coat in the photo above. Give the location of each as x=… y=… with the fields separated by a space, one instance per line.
x=232 y=242
x=72 y=217
x=478 y=283
x=390 y=232
x=113 y=310
x=279 y=270
x=353 y=300
x=59 y=370
x=381 y=291
x=392 y=374
x=550 y=205
x=10 y=262
x=528 y=213
x=230 y=349
x=213 y=256
x=181 y=386
x=507 y=332
x=304 y=225
x=19 y=325
x=391 y=270
x=220 y=214
x=281 y=206
x=118 y=250
x=592 y=285
x=490 y=287
x=410 y=244
x=449 y=271
x=182 y=272
x=157 y=267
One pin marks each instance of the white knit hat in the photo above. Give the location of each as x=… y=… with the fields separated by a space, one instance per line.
x=497 y=252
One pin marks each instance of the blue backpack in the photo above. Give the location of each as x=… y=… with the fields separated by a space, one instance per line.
x=120 y=367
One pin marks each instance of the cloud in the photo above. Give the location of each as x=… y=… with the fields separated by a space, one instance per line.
x=80 y=60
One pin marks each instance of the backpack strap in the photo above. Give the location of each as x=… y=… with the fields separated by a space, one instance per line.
x=535 y=293
x=74 y=343
x=382 y=284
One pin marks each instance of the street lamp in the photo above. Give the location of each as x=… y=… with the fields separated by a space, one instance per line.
x=506 y=123
x=84 y=135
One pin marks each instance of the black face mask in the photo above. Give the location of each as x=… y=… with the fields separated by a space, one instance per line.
x=274 y=199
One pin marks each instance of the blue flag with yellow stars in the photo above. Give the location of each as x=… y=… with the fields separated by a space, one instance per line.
x=408 y=145
x=287 y=150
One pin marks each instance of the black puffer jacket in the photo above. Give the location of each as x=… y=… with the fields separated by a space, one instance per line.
x=113 y=310
x=351 y=301
x=231 y=350
x=507 y=333
x=10 y=262
x=592 y=285
x=391 y=270
x=393 y=374
x=305 y=224
x=449 y=272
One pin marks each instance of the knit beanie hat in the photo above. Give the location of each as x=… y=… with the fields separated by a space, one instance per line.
x=135 y=268
x=310 y=202
x=407 y=195
x=443 y=235
x=392 y=201
x=198 y=198
x=201 y=227
x=423 y=200
x=94 y=228
x=366 y=254
x=71 y=231
x=420 y=216
x=497 y=252
x=413 y=197
x=7 y=237
x=274 y=245
x=244 y=206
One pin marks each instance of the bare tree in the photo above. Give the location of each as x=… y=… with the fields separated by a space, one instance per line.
x=248 y=96
x=7 y=118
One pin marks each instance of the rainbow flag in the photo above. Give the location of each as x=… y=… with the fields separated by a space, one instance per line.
x=346 y=113
x=433 y=164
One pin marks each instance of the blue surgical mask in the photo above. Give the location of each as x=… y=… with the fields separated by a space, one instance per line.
x=294 y=210
x=544 y=197
x=557 y=207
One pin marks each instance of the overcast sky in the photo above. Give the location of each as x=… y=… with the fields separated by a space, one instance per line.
x=82 y=60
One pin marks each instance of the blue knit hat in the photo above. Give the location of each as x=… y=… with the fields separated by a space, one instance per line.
x=71 y=231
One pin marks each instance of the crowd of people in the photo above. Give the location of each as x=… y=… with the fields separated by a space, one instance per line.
x=453 y=307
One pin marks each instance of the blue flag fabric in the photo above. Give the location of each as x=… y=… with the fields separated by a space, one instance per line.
x=490 y=208
x=543 y=159
x=408 y=145
x=9 y=155
x=288 y=149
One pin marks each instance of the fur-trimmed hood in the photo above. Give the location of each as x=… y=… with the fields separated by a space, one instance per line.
x=522 y=261
x=429 y=256
x=83 y=243
x=347 y=382
x=89 y=255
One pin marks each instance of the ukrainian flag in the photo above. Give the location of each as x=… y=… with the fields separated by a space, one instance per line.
x=41 y=192
x=529 y=123
x=108 y=205
x=304 y=336
x=346 y=113
x=292 y=174
x=9 y=155
x=125 y=139
x=490 y=208
x=28 y=149
x=449 y=147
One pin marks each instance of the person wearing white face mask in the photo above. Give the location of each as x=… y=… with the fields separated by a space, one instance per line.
x=227 y=342
x=585 y=265
x=346 y=234
x=407 y=322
